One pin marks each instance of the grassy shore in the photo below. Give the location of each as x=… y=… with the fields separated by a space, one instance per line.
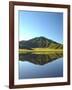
x=40 y=51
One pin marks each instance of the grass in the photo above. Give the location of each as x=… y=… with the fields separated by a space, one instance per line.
x=40 y=51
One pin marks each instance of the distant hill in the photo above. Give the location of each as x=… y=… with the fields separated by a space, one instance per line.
x=39 y=42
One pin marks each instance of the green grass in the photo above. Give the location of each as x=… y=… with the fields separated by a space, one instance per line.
x=40 y=51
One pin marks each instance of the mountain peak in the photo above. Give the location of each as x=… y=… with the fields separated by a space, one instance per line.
x=39 y=38
x=39 y=42
x=42 y=37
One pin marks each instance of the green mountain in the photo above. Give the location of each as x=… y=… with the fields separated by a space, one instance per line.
x=39 y=42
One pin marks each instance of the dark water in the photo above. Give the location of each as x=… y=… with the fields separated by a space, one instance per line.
x=40 y=65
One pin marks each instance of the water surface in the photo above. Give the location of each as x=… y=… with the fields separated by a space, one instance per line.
x=40 y=65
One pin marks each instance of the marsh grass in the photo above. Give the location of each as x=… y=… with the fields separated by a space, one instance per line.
x=40 y=51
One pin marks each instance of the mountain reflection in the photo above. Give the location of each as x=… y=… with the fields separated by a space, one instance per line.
x=40 y=59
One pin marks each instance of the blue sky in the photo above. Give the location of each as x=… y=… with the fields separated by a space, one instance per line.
x=35 y=24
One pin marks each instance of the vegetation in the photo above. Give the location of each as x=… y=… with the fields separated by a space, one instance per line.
x=39 y=50
x=39 y=42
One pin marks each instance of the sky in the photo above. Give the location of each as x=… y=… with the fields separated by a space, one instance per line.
x=38 y=23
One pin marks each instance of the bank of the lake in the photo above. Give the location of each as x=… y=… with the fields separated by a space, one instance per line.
x=40 y=50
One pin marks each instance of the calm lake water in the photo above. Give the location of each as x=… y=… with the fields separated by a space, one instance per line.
x=40 y=65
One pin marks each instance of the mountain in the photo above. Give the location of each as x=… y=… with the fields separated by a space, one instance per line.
x=39 y=42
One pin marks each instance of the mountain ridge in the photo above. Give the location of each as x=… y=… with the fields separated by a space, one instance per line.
x=39 y=42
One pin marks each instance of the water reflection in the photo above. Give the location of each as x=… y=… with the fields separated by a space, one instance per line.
x=41 y=58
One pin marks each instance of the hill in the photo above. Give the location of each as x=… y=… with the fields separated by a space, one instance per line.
x=39 y=42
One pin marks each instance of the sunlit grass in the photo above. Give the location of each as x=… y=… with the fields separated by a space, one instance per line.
x=40 y=51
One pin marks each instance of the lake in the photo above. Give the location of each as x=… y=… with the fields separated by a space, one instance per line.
x=40 y=65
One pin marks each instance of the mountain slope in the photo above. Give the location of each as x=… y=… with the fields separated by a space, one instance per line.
x=39 y=42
